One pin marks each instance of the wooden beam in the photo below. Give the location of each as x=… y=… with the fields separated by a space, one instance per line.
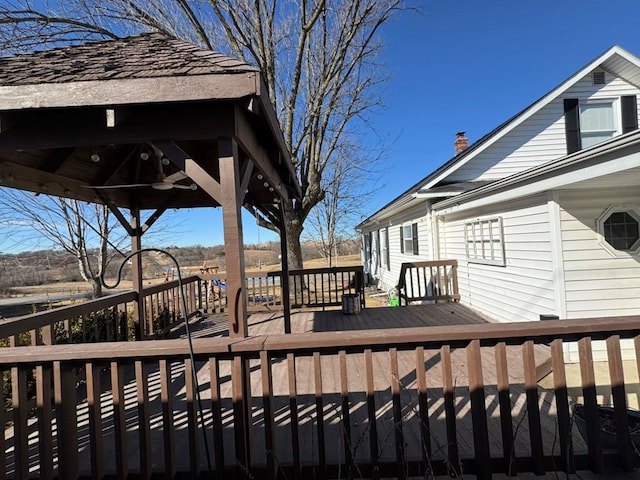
x=57 y=159
x=129 y=91
x=249 y=142
x=191 y=168
x=85 y=127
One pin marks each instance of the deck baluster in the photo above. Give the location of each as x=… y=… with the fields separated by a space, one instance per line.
x=166 y=398
x=293 y=411
x=453 y=460
x=616 y=373
x=504 y=399
x=96 y=446
x=317 y=376
x=562 y=405
x=423 y=406
x=533 y=410
x=594 y=442
x=401 y=467
x=371 y=414
x=119 y=420
x=64 y=381
x=478 y=411
x=20 y=418
x=345 y=412
x=267 y=409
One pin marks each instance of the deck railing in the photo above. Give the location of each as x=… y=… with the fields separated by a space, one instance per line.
x=110 y=318
x=431 y=281
x=106 y=319
x=359 y=404
x=324 y=287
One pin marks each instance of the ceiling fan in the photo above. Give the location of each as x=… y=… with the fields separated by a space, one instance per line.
x=164 y=182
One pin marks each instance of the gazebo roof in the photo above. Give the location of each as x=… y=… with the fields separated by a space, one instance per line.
x=75 y=120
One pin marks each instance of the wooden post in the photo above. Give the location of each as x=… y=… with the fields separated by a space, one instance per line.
x=232 y=198
x=234 y=252
x=284 y=278
x=139 y=311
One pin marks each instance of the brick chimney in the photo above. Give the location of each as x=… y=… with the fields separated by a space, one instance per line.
x=461 y=142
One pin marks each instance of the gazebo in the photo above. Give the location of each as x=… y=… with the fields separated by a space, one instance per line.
x=148 y=123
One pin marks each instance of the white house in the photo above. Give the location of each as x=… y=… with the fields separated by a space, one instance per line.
x=542 y=213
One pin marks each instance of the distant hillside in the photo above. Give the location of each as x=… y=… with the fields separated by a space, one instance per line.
x=51 y=266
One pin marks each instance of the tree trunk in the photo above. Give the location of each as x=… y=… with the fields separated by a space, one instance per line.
x=294 y=228
x=96 y=288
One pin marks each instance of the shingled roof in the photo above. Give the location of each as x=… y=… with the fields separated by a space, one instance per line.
x=143 y=56
x=118 y=101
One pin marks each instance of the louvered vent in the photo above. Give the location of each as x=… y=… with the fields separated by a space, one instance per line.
x=598 y=77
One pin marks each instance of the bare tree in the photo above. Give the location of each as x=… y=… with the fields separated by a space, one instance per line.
x=79 y=228
x=345 y=199
x=319 y=59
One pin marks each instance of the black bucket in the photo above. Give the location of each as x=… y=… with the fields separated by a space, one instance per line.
x=350 y=304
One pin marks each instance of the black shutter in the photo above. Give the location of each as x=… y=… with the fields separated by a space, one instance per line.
x=401 y=241
x=414 y=234
x=629 y=113
x=572 y=124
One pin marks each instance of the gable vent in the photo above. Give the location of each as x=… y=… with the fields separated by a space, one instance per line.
x=598 y=77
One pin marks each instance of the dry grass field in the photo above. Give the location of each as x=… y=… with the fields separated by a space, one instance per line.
x=73 y=288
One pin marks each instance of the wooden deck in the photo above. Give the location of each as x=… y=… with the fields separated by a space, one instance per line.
x=272 y=322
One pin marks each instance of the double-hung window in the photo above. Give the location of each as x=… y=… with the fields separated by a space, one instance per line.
x=598 y=121
x=409 y=239
x=484 y=240
x=591 y=121
x=384 y=242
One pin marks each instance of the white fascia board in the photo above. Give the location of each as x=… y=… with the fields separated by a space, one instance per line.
x=435 y=195
x=377 y=219
x=537 y=106
x=547 y=179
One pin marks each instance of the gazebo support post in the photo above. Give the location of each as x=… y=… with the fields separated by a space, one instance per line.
x=284 y=280
x=139 y=312
x=232 y=197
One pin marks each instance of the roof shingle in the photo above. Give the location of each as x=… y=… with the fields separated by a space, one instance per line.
x=143 y=56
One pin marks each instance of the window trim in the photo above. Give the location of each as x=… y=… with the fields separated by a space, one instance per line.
x=413 y=239
x=632 y=210
x=615 y=113
x=471 y=229
x=385 y=258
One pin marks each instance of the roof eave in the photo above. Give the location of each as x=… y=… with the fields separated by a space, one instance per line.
x=532 y=178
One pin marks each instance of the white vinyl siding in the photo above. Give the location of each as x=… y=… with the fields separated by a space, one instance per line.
x=540 y=139
x=524 y=288
x=388 y=277
x=597 y=283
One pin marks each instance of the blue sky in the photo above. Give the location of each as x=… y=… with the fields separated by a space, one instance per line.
x=470 y=65
x=463 y=65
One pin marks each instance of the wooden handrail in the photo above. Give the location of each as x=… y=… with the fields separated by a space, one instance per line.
x=16 y=325
x=435 y=280
x=455 y=336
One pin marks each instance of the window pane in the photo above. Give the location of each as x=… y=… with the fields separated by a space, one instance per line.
x=597 y=117
x=589 y=139
x=621 y=230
